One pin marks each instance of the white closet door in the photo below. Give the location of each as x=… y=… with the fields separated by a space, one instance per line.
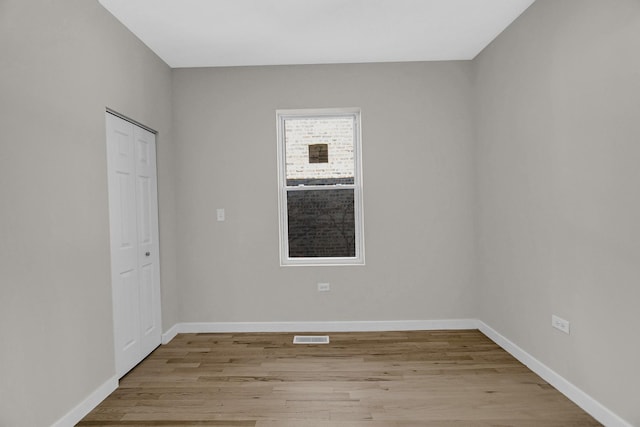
x=133 y=217
x=148 y=247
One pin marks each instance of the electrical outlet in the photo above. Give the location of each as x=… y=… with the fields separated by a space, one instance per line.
x=560 y=324
x=324 y=287
x=220 y=214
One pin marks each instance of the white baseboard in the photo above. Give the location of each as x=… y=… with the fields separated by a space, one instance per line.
x=348 y=326
x=88 y=404
x=170 y=334
x=579 y=397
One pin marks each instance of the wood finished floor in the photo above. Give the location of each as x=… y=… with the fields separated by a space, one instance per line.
x=390 y=379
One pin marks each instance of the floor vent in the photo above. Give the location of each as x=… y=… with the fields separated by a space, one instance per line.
x=311 y=339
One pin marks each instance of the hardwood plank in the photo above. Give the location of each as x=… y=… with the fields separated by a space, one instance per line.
x=390 y=379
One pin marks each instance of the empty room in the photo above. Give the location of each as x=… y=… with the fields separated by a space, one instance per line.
x=448 y=191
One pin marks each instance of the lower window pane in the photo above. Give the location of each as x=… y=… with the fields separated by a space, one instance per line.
x=321 y=223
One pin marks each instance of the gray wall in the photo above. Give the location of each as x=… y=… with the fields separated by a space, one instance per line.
x=558 y=158
x=61 y=64
x=418 y=204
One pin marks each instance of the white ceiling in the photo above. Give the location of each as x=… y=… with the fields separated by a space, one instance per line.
x=212 y=33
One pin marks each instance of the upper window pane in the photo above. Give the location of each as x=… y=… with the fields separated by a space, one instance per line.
x=319 y=150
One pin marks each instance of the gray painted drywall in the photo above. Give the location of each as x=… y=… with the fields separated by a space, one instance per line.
x=62 y=63
x=417 y=173
x=558 y=114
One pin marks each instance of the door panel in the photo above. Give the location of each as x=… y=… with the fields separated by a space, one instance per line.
x=125 y=202
x=147 y=321
x=127 y=343
x=128 y=314
x=147 y=208
x=144 y=231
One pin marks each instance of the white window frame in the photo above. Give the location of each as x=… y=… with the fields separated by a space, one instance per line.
x=285 y=260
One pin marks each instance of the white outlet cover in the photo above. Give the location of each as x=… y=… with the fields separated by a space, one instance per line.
x=324 y=287
x=560 y=324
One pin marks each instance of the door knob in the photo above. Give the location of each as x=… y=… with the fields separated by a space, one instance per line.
x=147 y=253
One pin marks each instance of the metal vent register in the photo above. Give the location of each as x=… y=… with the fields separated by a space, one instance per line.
x=311 y=339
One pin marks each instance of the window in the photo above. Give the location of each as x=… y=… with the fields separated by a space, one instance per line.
x=319 y=170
